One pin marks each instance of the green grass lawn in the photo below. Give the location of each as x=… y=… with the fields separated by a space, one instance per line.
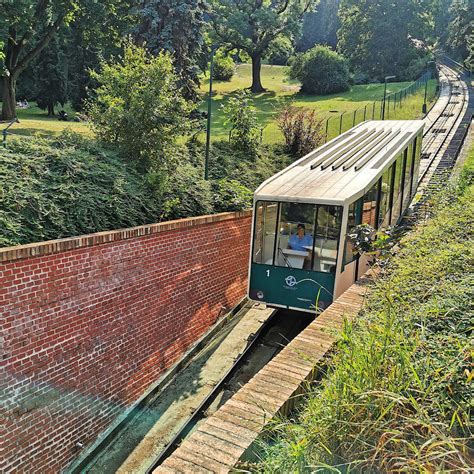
x=36 y=121
x=280 y=89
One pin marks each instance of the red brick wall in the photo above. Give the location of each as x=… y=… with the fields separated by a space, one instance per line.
x=89 y=323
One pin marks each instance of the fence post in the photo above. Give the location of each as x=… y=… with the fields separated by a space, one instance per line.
x=327 y=129
x=365 y=112
x=388 y=107
x=354 y=119
x=373 y=111
x=340 y=124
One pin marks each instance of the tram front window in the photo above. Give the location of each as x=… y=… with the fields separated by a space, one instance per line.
x=295 y=235
x=327 y=238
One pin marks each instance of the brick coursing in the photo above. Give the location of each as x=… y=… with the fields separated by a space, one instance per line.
x=88 y=323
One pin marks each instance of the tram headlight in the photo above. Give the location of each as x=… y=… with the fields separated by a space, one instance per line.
x=260 y=295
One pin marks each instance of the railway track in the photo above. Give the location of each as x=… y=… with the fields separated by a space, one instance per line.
x=443 y=138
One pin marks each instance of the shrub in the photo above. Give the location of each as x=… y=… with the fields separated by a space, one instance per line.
x=187 y=194
x=139 y=108
x=68 y=186
x=241 y=115
x=230 y=195
x=224 y=67
x=321 y=71
x=302 y=129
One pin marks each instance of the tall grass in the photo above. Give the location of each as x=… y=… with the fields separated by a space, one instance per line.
x=397 y=393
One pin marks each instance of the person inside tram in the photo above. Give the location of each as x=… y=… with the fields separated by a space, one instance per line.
x=300 y=240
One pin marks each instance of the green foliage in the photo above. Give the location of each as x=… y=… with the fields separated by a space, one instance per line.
x=398 y=392
x=69 y=186
x=187 y=194
x=320 y=26
x=461 y=29
x=139 y=108
x=321 y=71
x=223 y=68
x=50 y=80
x=376 y=36
x=241 y=115
x=230 y=195
x=176 y=26
x=280 y=50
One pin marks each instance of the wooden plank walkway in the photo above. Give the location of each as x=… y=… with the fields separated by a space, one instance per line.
x=221 y=440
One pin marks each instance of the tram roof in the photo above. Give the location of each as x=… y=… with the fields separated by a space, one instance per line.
x=345 y=168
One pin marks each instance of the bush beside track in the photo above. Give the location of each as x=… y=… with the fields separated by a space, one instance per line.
x=397 y=393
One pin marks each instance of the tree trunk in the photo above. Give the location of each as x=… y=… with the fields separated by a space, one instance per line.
x=256 y=67
x=50 y=110
x=8 y=98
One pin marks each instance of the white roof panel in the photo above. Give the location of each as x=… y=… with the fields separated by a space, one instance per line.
x=345 y=167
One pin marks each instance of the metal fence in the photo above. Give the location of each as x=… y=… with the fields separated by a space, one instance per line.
x=335 y=125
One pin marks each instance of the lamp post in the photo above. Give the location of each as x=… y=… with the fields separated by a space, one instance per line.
x=209 y=111
x=424 y=108
x=387 y=78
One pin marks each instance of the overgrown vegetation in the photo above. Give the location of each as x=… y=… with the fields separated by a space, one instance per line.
x=69 y=186
x=397 y=394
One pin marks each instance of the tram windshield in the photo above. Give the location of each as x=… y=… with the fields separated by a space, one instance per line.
x=297 y=235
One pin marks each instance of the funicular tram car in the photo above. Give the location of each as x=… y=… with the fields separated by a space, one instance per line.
x=301 y=257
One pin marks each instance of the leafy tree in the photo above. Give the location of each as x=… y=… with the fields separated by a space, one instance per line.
x=253 y=25
x=50 y=81
x=241 y=115
x=376 y=37
x=224 y=67
x=280 y=51
x=176 y=26
x=320 y=26
x=460 y=28
x=321 y=71
x=26 y=28
x=139 y=108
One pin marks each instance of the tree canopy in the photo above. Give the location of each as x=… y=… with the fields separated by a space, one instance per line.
x=378 y=37
x=252 y=25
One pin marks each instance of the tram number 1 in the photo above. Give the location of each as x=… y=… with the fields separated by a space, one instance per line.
x=268 y=273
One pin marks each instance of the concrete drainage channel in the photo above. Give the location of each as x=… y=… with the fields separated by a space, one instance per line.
x=224 y=361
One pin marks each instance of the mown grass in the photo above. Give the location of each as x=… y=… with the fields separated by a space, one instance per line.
x=398 y=391
x=280 y=89
x=36 y=121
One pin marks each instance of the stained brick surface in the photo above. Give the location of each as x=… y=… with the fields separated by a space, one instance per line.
x=89 y=323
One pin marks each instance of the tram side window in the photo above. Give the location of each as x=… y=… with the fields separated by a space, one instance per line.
x=417 y=162
x=295 y=235
x=264 y=232
x=369 y=208
x=326 y=239
x=409 y=171
x=353 y=219
x=384 y=212
x=397 y=189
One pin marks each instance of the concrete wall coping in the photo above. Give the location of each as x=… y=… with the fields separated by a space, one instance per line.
x=18 y=252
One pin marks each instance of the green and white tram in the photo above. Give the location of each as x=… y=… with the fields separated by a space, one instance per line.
x=301 y=257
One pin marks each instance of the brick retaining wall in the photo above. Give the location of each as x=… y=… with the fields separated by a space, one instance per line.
x=88 y=323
